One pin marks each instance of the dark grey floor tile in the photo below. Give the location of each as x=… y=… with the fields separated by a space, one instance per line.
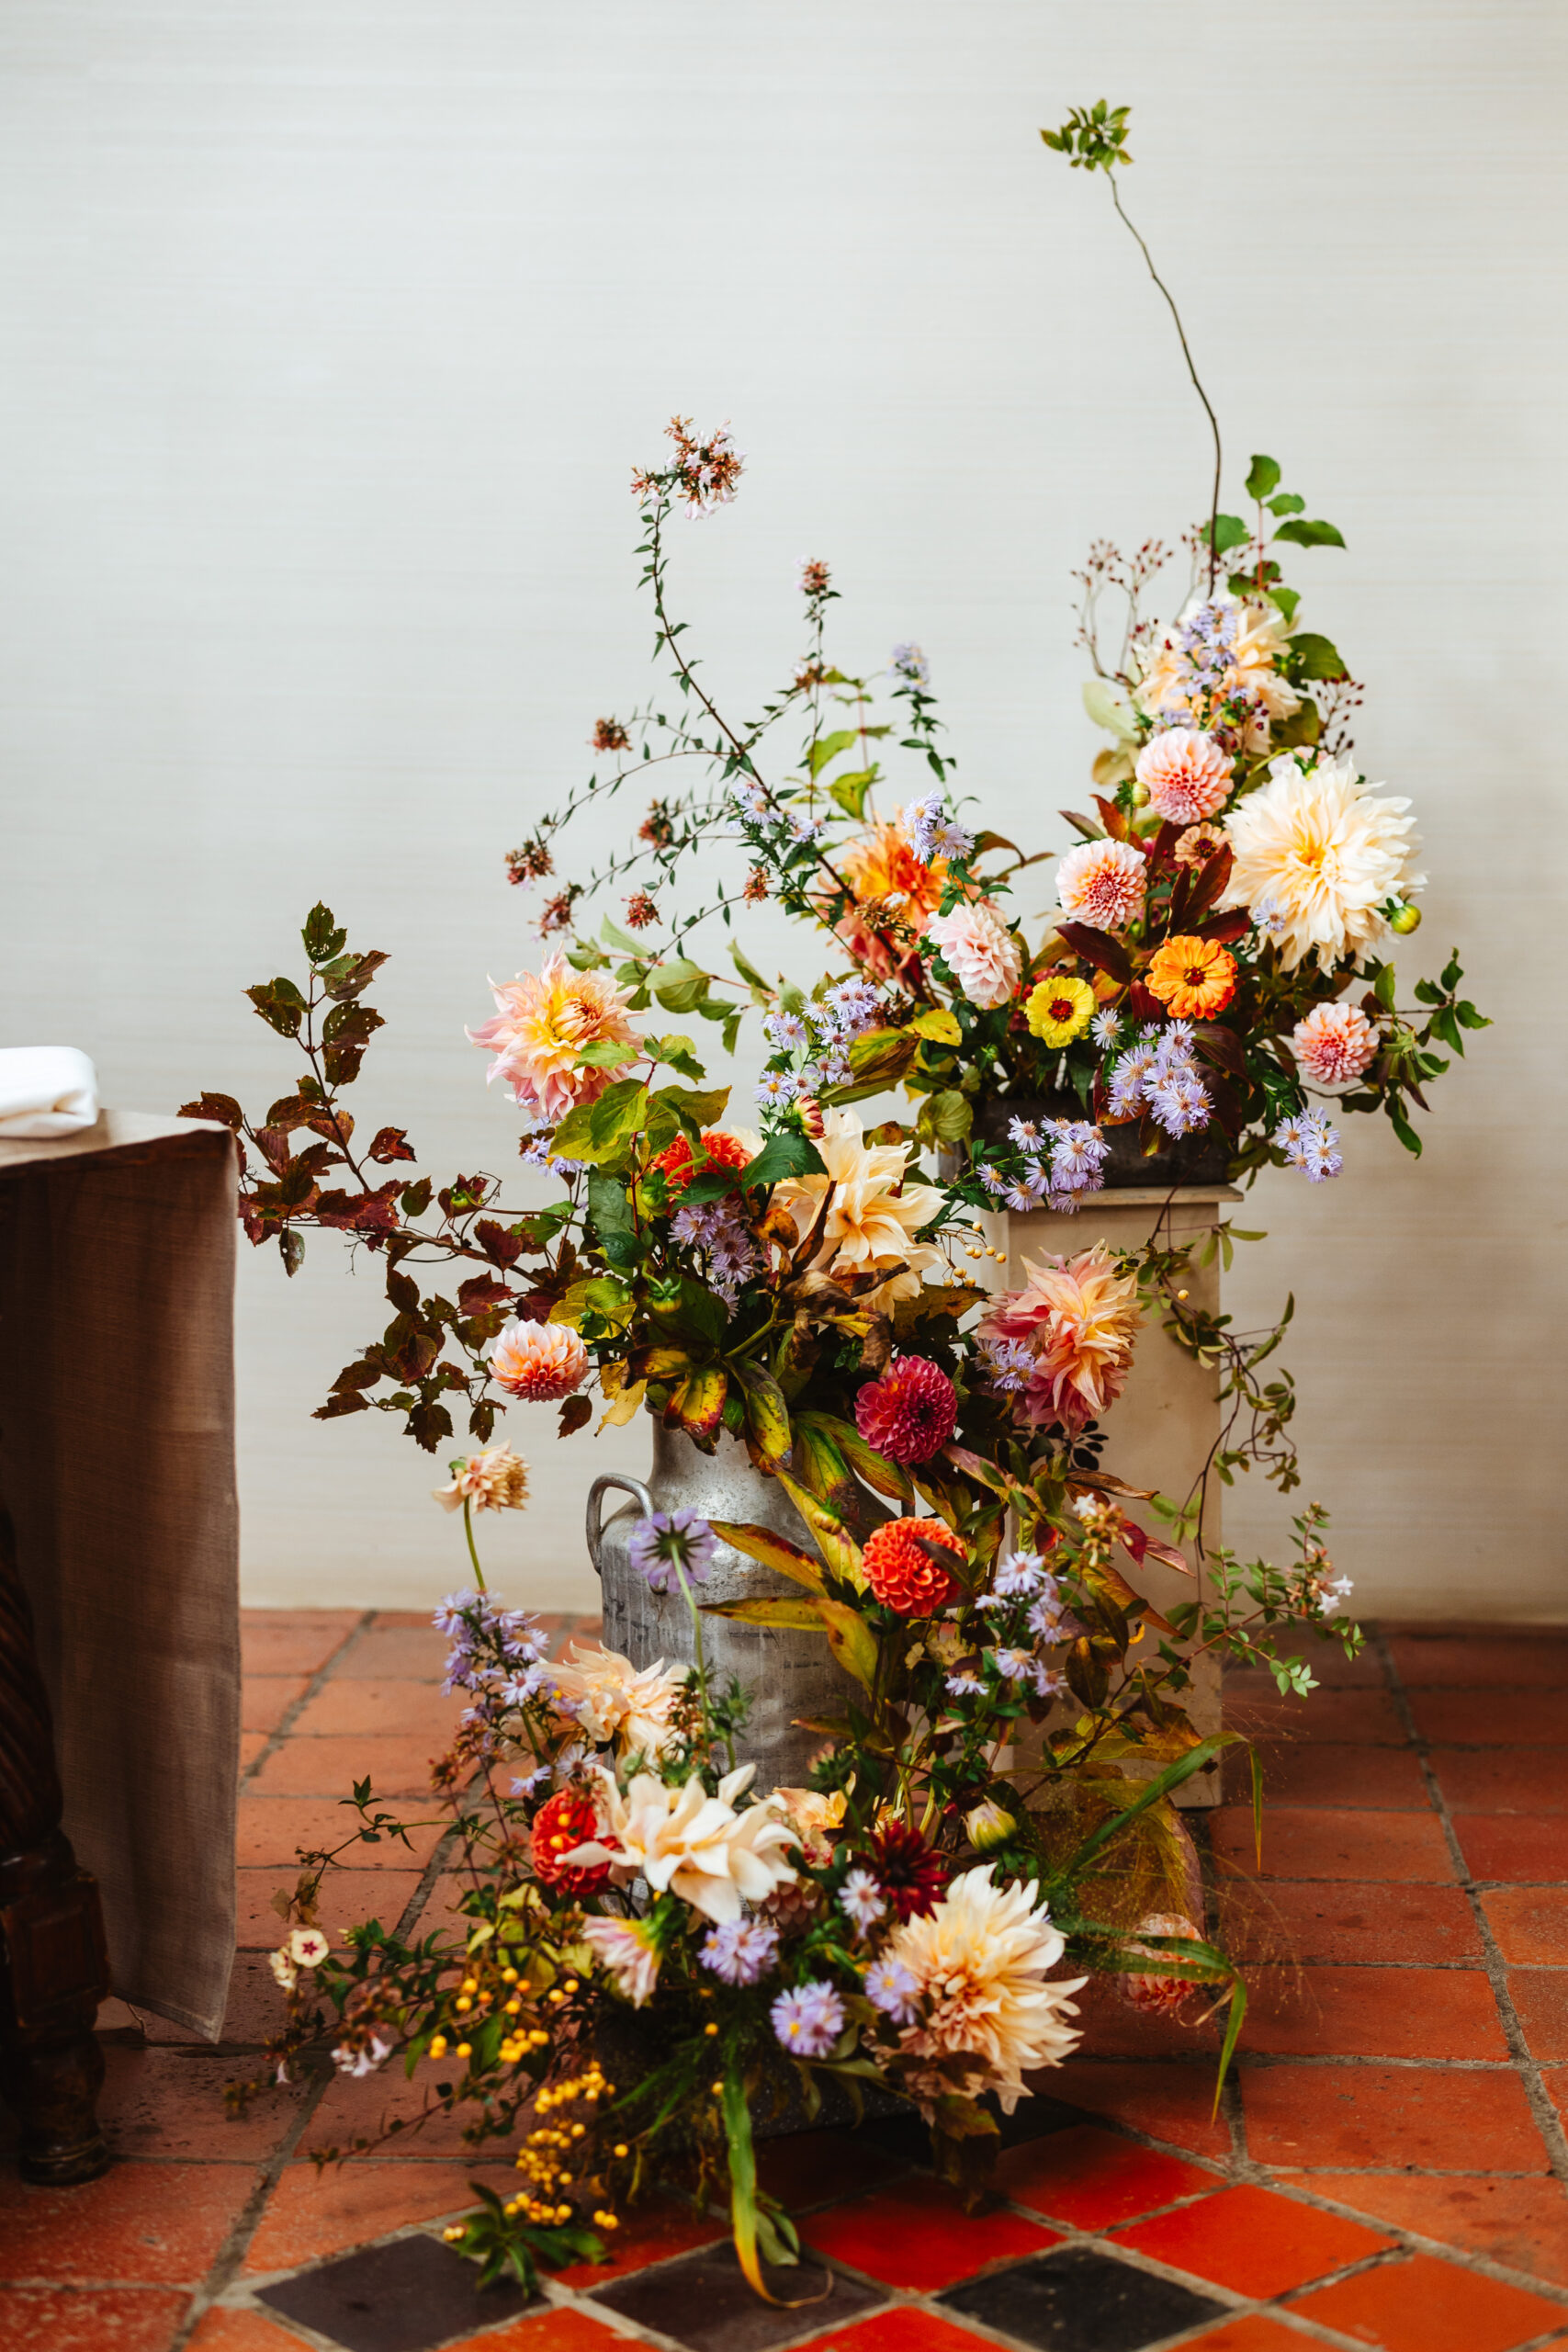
x=1077 y=2301
x=400 y=2298
x=703 y=2302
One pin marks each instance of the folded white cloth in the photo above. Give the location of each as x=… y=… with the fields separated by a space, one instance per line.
x=46 y=1090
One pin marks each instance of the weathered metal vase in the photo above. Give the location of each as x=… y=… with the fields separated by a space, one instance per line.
x=788 y=1674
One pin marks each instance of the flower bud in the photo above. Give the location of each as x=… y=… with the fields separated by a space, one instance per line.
x=1139 y=796
x=1405 y=920
x=811 y=1114
x=989 y=1827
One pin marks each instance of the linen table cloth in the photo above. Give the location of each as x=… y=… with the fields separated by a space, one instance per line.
x=116 y=1463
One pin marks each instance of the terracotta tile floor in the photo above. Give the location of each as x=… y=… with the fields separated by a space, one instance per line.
x=1387 y=2169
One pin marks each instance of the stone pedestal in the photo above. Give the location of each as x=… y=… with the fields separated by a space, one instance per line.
x=1162 y=1427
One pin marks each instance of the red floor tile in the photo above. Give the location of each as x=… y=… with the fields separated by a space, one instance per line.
x=1424 y=2305
x=563 y=2330
x=242 y=2331
x=348 y=1898
x=1172 y=2102
x=271 y=1828
x=1502 y=1846
x=1254 y=2332
x=293 y=1641
x=1530 y=1923
x=1427 y=1660
x=1252 y=2241
x=1447 y=2119
x=409 y=1710
x=169 y=2103
x=918 y=2236
x=310 y=2215
x=909 y=2329
x=1502 y=1780
x=1522 y=2225
x=1305 y=1774
x=158 y=2222
x=264 y=1698
x=1540 y=1997
x=806 y=2168
x=361 y=2109
x=1301 y=1843
x=1090 y=2178
x=89 y=2319
x=649 y=2233
x=412 y=1653
x=1349 y=1921
x=1255 y=1707
x=397 y=1767
x=1555 y=2079
x=252 y=1743
x=1493 y=1718
x=1372 y=2013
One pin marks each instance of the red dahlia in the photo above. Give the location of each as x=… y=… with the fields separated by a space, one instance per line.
x=723 y=1150
x=564 y=1822
x=901 y=1572
x=910 y=1413
x=909 y=1874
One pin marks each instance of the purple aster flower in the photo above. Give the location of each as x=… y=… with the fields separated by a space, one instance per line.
x=1007 y=1365
x=1106 y=1028
x=668 y=1540
x=965 y=1683
x=809 y=2021
x=1179 y=1102
x=740 y=1949
x=786 y=1031
x=1022 y=1132
x=911 y=662
x=860 y=1898
x=1017 y=1573
x=1013 y=1665
x=776 y=1087
x=891 y=1988
x=531 y=1780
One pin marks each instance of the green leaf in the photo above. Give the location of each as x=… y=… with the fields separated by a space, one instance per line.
x=887 y=1477
x=608 y=1205
x=1287 y=599
x=322 y=936
x=678 y=986
x=1150 y=1794
x=747 y=971
x=1262 y=477
x=609 y=1053
x=850 y=1640
x=1467 y=1016
x=1233 y=2035
x=787 y=1154
x=850 y=790
x=1319 y=657
x=1287 y=504
x=1304 y=534
x=882 y=1055
x=1230 y=531
x=1403 y=1129
x=828 y=747
x=767 y=1414
x=1383 y=986
x=939 y=1024
x=677 y=1052
x=619 y=939
x=281 y=1004
x=834 y=1540
x=946 y=1117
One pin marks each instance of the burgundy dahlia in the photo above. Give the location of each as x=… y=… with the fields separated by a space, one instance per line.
x=910 y=1413
x=909 y=1874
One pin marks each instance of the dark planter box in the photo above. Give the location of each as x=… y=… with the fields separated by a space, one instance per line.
x=1201 y=1158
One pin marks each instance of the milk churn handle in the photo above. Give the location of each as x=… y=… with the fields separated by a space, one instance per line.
x=595 y=1531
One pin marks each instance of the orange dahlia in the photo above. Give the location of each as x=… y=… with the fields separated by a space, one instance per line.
x=566 y=1821
x=723 y=1150
x=1193 y=978
x=901 y=1572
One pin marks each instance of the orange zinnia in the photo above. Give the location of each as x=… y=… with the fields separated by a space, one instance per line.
x=1193 y=977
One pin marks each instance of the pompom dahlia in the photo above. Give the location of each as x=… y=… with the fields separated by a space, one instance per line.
x=561 y=1824
x=901 y=1572
x=909 y=1874
x=1323 y=856
x=538 y=1362
x=1102 y=884
x=910 y=1413
x=1193 y=978
x=979 y=1958
x=541 y=1028
x=980 y=952
x=1333 y=1045
x=1159 y=1995
x=1186 y=775
x=1079 y=1318
x=723 y=1150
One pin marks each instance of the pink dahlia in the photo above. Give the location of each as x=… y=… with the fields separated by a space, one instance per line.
x=910 y=1413
x=1161 y=1995
x=1102 y=884
x=1079 y=1318
x=980 y=950
x=1186 y=775
x=1334 y=1045
x=538 y=1362
x=541 y=1028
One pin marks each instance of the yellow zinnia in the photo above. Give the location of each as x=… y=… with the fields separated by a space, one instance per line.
x=1059 y=1010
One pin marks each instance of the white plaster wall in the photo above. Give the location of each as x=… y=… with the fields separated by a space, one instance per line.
x=331 y=332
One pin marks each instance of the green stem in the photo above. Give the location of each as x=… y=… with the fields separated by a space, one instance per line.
x=695 y=1616
x=468 y=1532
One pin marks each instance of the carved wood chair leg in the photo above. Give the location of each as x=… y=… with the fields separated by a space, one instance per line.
x=54 y=1961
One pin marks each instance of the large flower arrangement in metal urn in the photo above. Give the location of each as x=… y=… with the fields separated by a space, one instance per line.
x=875 y=1763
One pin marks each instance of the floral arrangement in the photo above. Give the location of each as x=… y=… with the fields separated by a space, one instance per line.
x=648 y=1955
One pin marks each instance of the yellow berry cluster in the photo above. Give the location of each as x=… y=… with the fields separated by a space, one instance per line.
x=983 y=1249
x=470 y=1995
x=539 y=2158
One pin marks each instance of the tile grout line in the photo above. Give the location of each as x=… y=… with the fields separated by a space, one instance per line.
x=1526 y=2066
x=314 y=1685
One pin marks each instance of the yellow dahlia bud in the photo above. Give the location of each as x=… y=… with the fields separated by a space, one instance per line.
x=1405 y=920
x=989 y=1826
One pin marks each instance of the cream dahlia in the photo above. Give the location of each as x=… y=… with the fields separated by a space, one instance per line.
x=1316 y=857
x=1333 y=1045
x=538 y=1362
x=694 y=1845
x=1221 y=648
x=979 y=951
x=873 y=1216
x=1079 y=1318
x=608 y=1699
x=979 y=1959
x=541 y=1028
x=494 y=1480
x=1188 y=776
x=1102 y=884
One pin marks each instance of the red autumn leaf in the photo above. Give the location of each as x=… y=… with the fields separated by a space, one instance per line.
x=391 y=1144
x=480 y=1291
